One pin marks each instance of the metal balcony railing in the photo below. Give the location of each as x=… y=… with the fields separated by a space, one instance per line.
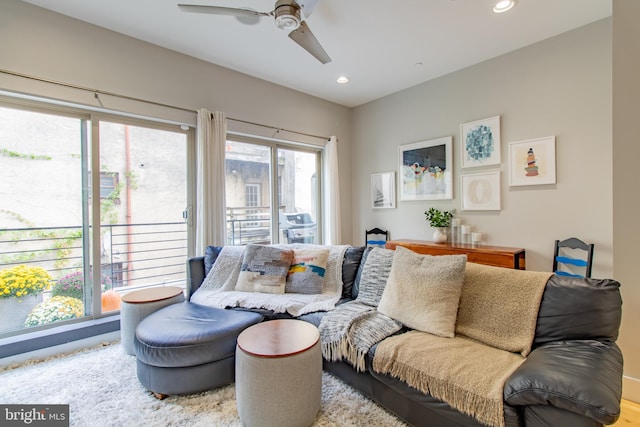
x=248 y=225
x=131 y=254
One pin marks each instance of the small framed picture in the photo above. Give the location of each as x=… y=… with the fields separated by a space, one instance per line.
x=426 y=170
x=383 y=190
x=480 y=142
x=532 y=162
x=481 y=191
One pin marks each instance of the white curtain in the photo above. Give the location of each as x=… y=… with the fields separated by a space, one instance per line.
x=332 y=226
x=210 y=196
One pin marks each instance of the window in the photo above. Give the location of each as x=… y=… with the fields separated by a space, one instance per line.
x=252 y=195
x=272 y=192
x=48 y=219
x=108 y=185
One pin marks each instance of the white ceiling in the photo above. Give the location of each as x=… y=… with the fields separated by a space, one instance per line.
x=383 y=46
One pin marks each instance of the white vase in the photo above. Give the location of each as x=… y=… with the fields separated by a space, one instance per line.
x=14 y=311
x=440 y=234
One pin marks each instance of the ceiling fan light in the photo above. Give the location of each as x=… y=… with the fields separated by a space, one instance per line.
x=287 y=17
x=504 y=5
x=287 y=22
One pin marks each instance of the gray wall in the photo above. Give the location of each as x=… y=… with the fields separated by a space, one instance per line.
x=563 y=87
x=626 y=197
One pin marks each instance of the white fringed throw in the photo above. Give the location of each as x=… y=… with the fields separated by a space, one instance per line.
x=217 y=290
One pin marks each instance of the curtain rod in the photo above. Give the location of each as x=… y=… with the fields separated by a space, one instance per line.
x=97 y=92
x=326 y=138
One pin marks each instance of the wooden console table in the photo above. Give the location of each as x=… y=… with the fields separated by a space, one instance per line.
x=498 y=256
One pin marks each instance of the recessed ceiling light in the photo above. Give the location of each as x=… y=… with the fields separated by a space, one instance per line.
x=503 y=6
x=342 y=79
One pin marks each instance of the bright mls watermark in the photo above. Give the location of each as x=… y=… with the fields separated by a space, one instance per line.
x=34 y=415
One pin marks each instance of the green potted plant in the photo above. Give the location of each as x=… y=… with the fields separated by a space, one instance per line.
x=440 y=220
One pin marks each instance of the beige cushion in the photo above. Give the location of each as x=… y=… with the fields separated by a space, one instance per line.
x=307 y=271
x=423 y=291
x=264 y=269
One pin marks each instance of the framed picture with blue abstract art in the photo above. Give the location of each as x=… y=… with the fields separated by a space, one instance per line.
x=480 y=142
x=426 y=170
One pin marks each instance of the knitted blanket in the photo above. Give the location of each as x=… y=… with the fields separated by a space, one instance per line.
x=348 y=332
x=467 y=375
x=217 y=290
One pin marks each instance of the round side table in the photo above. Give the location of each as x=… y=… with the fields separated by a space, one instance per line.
x=279 y=374
x=137 y=305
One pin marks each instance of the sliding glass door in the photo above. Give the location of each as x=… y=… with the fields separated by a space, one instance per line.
x=69 y=179
x=42 y=232
x=143 y=194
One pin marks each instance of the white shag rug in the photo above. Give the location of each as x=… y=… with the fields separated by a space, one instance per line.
x=102 y=389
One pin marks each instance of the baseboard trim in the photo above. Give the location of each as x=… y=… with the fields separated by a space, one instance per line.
x=631 y=388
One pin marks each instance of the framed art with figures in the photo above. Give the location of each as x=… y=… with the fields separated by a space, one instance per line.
x=426 y=170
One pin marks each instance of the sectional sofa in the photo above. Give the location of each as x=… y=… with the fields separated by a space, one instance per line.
x=570 y=372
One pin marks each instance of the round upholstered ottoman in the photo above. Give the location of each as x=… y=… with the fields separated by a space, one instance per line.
x=188 y=348
x=139 y=304
x=279 y=374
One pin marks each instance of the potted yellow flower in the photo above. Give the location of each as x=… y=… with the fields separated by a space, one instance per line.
x=21 y=288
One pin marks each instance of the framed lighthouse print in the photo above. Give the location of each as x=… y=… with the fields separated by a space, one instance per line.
x=532 y=162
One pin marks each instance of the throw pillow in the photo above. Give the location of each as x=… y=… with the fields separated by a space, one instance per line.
x=374 y=276
x=210 y=256
x=423 y=291
x=264 y=269
x=307 y=271
x=351 y=267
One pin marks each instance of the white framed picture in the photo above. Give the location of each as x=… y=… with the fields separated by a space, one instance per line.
x=383 y=190
x=481 y=191
x=426 y=170
x=480 y=141
x=532 y=162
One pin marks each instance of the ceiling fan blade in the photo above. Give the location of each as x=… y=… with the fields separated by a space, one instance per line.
x=305 y=38
x=219 y=10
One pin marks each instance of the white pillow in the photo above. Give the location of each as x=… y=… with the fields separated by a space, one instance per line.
x=423 y=291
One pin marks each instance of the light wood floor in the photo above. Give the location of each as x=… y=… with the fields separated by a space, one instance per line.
x=629 y=414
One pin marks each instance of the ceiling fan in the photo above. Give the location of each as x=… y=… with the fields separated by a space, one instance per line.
x=287 y=17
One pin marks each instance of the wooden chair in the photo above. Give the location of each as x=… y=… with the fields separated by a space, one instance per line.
x=375 y=242
x=572 y=256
